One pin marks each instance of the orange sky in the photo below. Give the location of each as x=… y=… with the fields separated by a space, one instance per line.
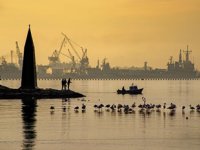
x=126 y=32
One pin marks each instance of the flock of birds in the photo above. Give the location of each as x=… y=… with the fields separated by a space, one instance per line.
x=130 y=108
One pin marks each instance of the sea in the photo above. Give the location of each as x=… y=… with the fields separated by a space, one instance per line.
x=30 y=124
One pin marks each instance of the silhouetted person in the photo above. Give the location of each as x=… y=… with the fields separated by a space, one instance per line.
x=123 y=89
x=68 y=83
x=64 y=82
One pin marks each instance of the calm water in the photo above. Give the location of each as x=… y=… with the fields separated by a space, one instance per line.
x=29 y=124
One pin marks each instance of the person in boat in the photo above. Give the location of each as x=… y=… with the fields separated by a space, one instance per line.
x=123 y=89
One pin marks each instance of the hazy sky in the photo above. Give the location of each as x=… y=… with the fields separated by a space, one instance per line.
x=126 y=32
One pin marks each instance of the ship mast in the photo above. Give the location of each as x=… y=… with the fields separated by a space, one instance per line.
x=187 y=52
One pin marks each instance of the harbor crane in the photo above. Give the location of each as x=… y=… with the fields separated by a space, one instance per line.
x=12 y=57
x=81 y=63
x=84 y=61
x=55 y=58
x=69 y=41
x=3 y=60
x=19 y=55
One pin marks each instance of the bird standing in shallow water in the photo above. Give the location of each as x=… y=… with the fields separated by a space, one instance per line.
x=113 y=107
x=83 y=107
x=183 y=110
x=100 y=107
x=133 y=105
x=158 y=106
x=191 y=107
x=107 y=107
x=172 y=106
x=164 y=106
x=144 y=100
x=119 y=107
x=64 y=108
x=198 y=108
x=52 y=107
x=76 y=109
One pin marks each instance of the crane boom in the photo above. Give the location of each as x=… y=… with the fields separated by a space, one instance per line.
x=70 y=53
x=62 y=44
x=72 y=46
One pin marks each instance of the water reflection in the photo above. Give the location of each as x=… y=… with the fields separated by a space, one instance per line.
x=172 y=113
x=29 y=122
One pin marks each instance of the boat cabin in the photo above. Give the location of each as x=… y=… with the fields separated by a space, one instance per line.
x=133 y=87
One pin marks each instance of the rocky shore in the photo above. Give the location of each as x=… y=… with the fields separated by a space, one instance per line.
x=8 y=93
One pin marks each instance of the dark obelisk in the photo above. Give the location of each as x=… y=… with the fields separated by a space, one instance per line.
x=29 y=76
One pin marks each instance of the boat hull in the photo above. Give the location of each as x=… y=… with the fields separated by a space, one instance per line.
x=138 y=91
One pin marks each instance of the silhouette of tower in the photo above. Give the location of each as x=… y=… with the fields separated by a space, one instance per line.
x=180 y=57
x=29 y=76
x=187 y=52
x=145 y=65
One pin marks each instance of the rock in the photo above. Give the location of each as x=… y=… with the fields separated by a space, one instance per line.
x=7 y=93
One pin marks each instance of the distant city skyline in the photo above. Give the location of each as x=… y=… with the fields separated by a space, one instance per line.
x=126 y=32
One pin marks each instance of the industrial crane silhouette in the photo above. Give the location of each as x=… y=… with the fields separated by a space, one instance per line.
x=19 y=55
x=82 y=62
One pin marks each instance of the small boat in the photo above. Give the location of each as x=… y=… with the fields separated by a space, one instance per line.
x=133 y=89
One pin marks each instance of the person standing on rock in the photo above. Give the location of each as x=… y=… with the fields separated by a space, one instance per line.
x=68 y=83
x=64 y=82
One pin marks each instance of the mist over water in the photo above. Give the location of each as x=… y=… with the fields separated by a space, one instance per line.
x=30 y=124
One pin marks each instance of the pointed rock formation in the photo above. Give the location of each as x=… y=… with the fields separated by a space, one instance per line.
x=29 y=76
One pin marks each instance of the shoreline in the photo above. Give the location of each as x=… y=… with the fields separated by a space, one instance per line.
x=38 y=93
